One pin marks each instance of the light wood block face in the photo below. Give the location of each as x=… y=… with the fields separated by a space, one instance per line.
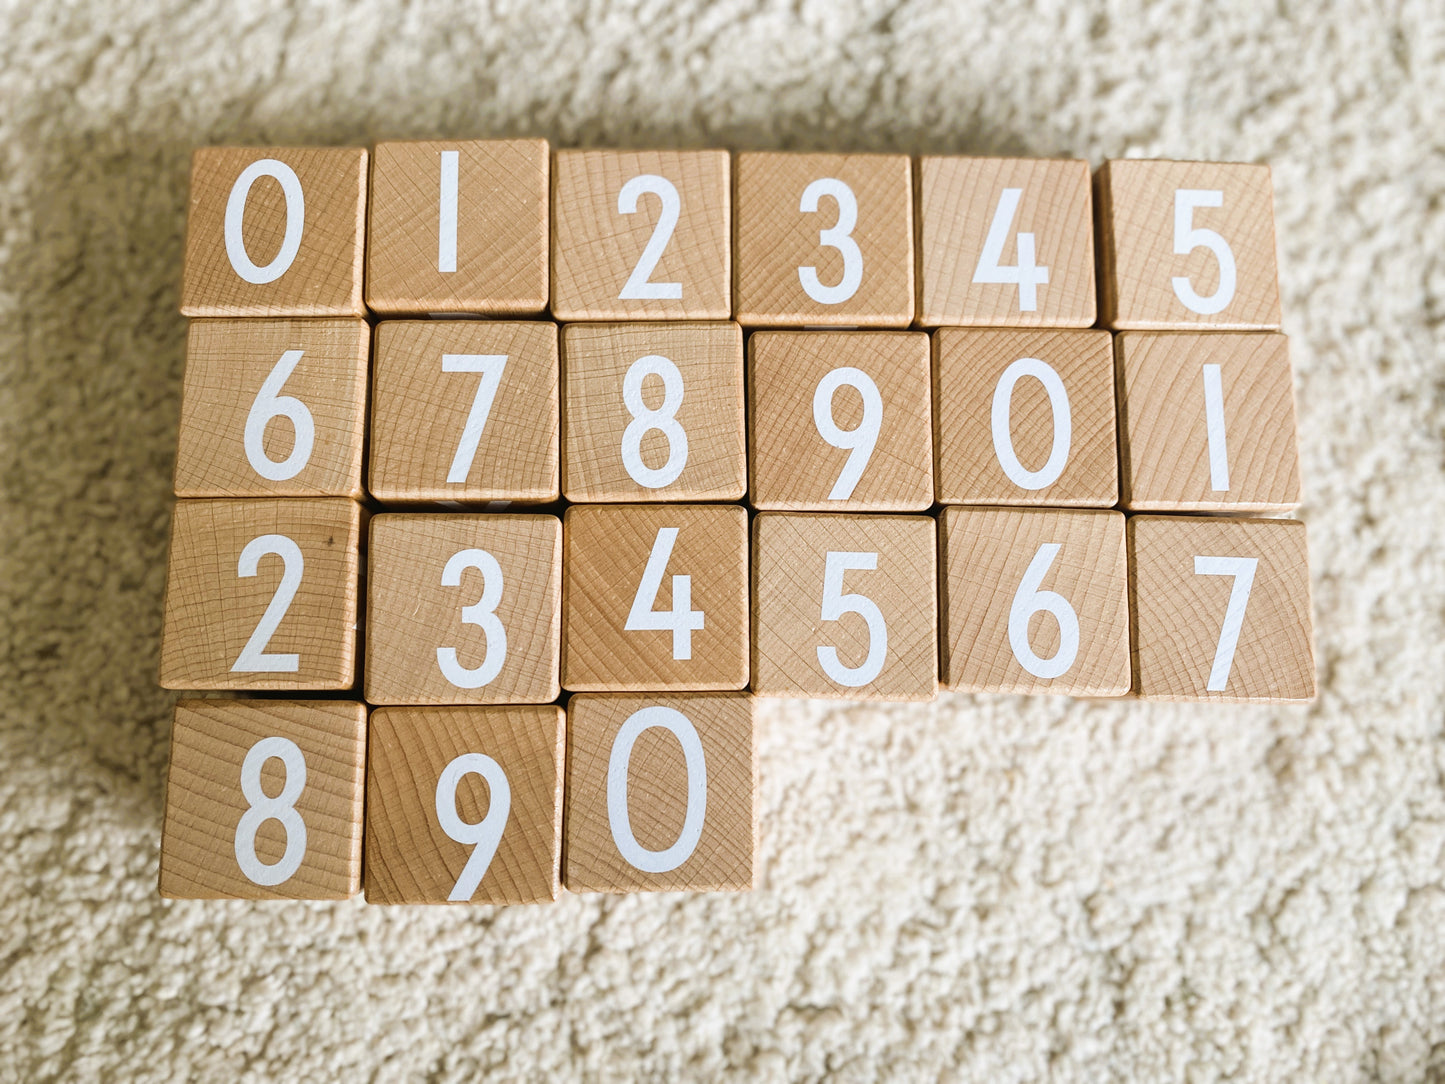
x=275 y=231
x=1187 y=245
x=463 y=609
x=641 y=235
x=841 y=421
x=661 y=793
x=656 y=597
x=1005 y=242
x=261 y=594
x=494 y=775
x=1035 y=601
x=1207 y=422
x=465 y=411
x=1025 y=417
x=1221 y=609
x=824 y=239
x=653 y=412
x=845 y=606
x=273 y=408
x=263 y=800
x=458 y=226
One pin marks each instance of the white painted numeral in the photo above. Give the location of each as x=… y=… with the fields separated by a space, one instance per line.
x=261 y=808
x=253 y=658
x=491 y=367
x=1187 y=238
x=839 y=236
x=663 y=419
x=267 y=405
x=618 y=818
x=482 y=614
x=638 y=286
x=447 y=212
x=1242 y=569
x=1029 y=600
x=1003 y=444
x=836 y=605
x=236 y=216
x=485 y=834
x=859 y=441
x=1026 y=275
x=682 y=619
x=1214 y=427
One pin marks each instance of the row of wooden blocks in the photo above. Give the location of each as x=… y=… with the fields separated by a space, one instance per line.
x=507 y=228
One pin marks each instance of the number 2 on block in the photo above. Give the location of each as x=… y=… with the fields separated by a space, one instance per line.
x=682 y=619
x=1026 y=275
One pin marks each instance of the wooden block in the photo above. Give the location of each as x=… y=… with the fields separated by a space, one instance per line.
x=263 y=800
x=1221 y=609
x=653 y=412
x=1005 y=242
x=1206 y=422
x=845 y=606
x=824 y=239
x=656 y=597
x=458 y=226
x=464 y=411
x=841 y=421
x=641 y=235
x=661 y=793
x=275 y=231
x=1035 y=601
x=463 y=609
x=261 y=594
x=273 y=408
x=464 y=805
x=1186 y=245
x=1025 y=417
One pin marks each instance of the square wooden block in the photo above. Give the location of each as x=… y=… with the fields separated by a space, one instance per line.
x=464 y=411
x=261 y=594
x=661 y=793
x=273 y=408
x=1206 y=422
x=641 y=235
x=1005 y=242
x=653 y=412
x=1221 y=609
x=275 y=231
x=845 y=606
x=263 y=800
x=824 y=239
x=1186 y=245
x=463 y=609
x=656 y=597
x=464 y=805
x=458 y=226
x=841 y=421
x=1035 y=601
x=1025 y=417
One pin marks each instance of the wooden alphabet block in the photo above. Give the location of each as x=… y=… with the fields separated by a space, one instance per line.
x=978 y=214
x=824 y=239
x=1186 y=245
x=1221 y=609
x=1206 y=422
x=263 y=800
x=464 y=805
x=661 y=793
x=463 y=609
x=656 y=597
x=641 y=235
x=464 y=411
x=1025 y=417
x=841 y=421
x=273 y=408
x=1035 y=601
x=275 y=231
x=653 y=412
x=261 y=594
x=458 y=226
x=845 y=606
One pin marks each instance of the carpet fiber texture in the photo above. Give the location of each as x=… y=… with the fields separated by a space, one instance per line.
x=980 y=889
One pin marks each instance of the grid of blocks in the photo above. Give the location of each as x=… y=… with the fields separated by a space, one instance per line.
x=533 y=469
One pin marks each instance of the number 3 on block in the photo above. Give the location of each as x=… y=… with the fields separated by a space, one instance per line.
x=682 y=619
